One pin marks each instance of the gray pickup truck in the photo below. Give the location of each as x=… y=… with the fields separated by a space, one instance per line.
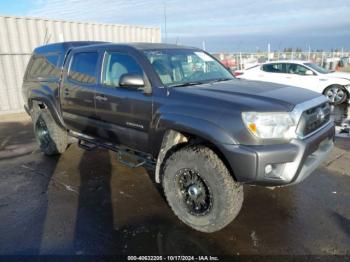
x=179 y=110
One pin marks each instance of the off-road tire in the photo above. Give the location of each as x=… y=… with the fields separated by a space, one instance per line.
x=226 y=194
x=333 y=88
x=56 y=140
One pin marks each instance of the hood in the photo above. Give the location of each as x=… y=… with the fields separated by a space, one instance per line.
x=342 y=75
x=255 y=95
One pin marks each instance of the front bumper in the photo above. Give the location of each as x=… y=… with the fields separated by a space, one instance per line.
x=290 y=163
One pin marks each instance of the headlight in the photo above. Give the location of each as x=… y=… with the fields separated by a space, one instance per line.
x=270 y=125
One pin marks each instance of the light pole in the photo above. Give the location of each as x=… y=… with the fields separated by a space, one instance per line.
x=165 y=24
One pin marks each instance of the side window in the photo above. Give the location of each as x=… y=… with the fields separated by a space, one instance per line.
x=52 y=59
x=300 y=70
x=43 y=66
x=83 y=67
x=116 y=65
x=290 y=68
x=296 y=69
x=273 y=68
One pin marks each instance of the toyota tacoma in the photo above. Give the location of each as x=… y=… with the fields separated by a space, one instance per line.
x=179 y=110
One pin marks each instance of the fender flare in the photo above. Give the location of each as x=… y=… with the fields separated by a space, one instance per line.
x=173 y=129
x=41 y=97
x=195 y=126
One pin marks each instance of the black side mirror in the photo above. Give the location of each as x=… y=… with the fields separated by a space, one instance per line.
x=131 y=81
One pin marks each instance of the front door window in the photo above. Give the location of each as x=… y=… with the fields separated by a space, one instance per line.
x=116 y=65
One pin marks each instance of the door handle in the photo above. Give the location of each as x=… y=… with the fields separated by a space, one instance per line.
x=101 y=98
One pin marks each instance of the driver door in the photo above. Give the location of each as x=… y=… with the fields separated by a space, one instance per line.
x=298 y=77
x=124 y=113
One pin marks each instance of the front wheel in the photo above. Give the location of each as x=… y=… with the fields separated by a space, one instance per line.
x=200 y=189
x=336 y=94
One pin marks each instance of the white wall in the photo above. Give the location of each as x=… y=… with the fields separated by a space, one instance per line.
x=20 y=35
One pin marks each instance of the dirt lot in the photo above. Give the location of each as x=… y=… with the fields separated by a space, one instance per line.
x=87 y=203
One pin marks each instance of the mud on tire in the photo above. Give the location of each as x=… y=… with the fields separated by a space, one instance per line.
x=200 y=189
x=52 y=139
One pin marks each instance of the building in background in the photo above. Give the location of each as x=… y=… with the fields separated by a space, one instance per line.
x=20 y=35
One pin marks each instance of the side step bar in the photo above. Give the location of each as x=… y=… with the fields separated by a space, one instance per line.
x=86 y=145
x=126 y=156
x=132 y=164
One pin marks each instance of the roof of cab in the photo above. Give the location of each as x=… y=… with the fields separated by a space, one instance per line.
x=64 y=46
x=150 y=46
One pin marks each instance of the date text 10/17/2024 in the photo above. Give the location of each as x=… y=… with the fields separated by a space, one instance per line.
x=173 y=258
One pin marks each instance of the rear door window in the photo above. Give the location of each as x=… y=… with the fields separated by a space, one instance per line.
x=273 y=68
x=83 y=67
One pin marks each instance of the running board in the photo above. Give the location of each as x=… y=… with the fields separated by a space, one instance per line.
x=86 y=145
x=132 y=164
x=129 y=157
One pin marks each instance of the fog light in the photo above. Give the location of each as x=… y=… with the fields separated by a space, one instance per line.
x=268 y=169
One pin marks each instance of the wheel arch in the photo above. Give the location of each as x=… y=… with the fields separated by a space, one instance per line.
x=44 y=102
x=174 y=140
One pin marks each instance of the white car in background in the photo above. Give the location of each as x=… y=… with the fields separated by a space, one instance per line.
x=334 y=85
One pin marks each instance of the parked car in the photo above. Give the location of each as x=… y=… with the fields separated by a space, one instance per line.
x=179 y=110
x=334 y=85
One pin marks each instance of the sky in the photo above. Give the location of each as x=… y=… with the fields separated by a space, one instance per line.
x=223 y=25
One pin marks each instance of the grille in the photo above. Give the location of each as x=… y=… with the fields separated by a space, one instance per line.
x=313 y=118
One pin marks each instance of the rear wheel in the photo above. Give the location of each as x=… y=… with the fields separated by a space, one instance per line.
x=200 y=189
x=336 y=94
x=52 y=139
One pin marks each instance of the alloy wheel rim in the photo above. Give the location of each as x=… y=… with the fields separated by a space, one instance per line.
x=335 y=94
x=194 y=192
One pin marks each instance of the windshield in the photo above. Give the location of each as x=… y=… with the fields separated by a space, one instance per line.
x=317 y=68
x=183 y=67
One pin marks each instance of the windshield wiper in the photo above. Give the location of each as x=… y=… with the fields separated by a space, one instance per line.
x=202 y=82
x=189 y=84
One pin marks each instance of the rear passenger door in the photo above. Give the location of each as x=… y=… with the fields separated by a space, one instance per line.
x=124 y=113
x=77 y=92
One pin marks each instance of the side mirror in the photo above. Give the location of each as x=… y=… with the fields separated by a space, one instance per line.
x=309 y=73
x=131 y=81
